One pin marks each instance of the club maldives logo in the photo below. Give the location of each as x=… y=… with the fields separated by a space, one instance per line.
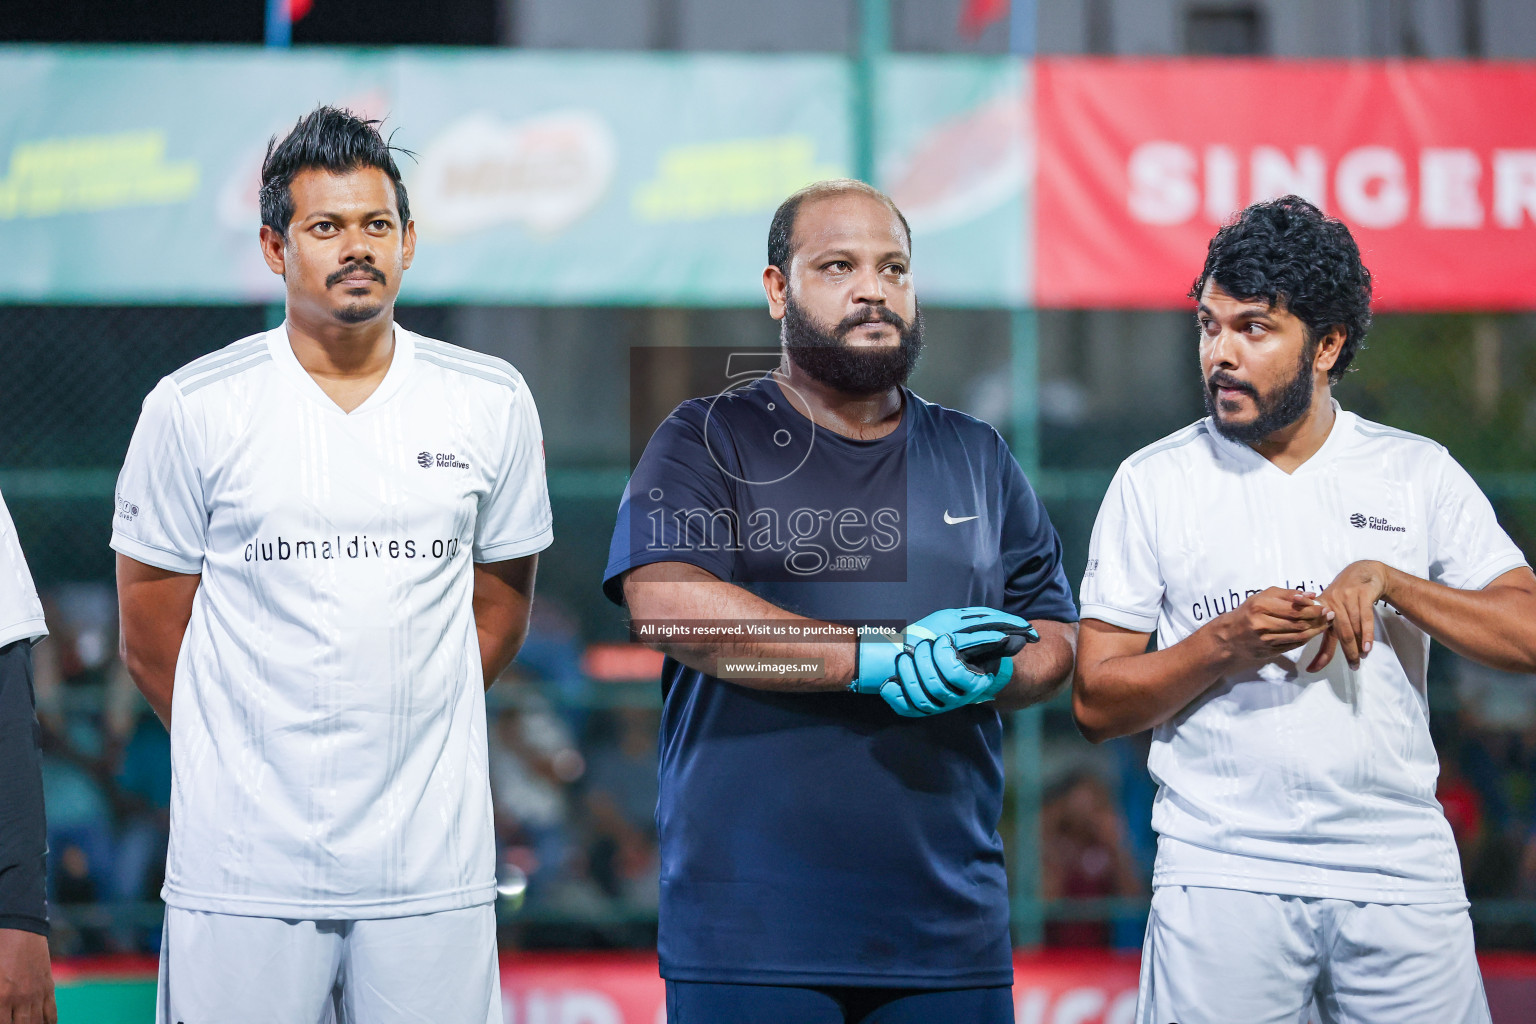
x=444 y=460
x=1363 y=522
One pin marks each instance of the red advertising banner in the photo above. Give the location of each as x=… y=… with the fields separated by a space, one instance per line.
x=582 y=988
x=1432 y=165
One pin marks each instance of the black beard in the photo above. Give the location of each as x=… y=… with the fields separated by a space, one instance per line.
x=826 y=357
x=1277 y=411
x=358 y=312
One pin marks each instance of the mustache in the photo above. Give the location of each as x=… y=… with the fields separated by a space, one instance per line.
x=869 y=315
x=368 y=270
x=1222 y=379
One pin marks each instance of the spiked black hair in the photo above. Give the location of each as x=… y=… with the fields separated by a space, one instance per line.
x=328 y=139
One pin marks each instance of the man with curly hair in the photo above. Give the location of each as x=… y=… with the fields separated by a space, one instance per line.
x=1301 y=853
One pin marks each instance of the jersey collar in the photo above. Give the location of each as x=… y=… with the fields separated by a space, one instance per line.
x=1343 y=427
x=877 y=446
x=399 y=369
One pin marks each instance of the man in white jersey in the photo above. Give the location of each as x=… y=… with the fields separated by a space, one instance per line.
x=327 y=537
x=1301 y=853
x=26 y=984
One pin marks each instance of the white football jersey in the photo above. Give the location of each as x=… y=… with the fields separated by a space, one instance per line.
x=328 y=733
x=21 y=615
x=1278 y=780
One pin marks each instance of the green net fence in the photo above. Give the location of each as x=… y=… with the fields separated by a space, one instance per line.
x=1110 y=382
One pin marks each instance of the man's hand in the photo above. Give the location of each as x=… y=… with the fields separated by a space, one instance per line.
x=1123 y=688
x=1269 y=624
x=26 y=983
x=933 y=677
x=1351 y=599
x=978 y=629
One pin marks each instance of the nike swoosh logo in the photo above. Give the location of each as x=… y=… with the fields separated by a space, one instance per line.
x=951 y=520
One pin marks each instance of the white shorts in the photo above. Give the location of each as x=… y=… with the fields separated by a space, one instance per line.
x=425 y=969
x=1215 y=956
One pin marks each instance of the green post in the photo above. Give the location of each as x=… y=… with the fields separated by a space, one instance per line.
x=1028 y=909
x=874 y=41
x=1028 y=919
x=1024 y=374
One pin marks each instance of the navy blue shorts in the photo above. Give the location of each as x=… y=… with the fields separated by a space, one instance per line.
x=698 y=1002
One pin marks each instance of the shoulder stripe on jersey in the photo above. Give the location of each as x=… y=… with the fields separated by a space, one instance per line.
x=483 y=372
x=1179 y=440
x=228 y=371
x=1371 y=429
x=448 y=351
x=223 y=357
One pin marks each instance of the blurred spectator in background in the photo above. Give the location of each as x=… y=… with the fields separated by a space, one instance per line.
x=533 y=759
x=1084 y=855
x=1493 y=743
x=551 y=655
x=143 y=798
x=106 y=776
x=80 y=744
x=1463 y=809
x=1526 y=889
x=621 y=806
x=1497 y=719
x=1137 y=793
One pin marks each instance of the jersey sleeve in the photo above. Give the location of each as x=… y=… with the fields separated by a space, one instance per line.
x=21 y=614
x=23 y=836
x=1468 y=548
x=677 y=507
x=161 y=517
x=1036 y=585
x=1122 y=583
x=515 y=518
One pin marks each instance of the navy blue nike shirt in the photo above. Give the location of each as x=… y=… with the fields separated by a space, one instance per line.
x=821 y=839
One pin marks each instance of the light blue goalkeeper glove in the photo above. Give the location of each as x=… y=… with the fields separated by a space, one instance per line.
x=981 y=642
x=937 y=676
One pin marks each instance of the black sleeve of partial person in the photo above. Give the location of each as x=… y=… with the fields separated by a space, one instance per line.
x=23 y=832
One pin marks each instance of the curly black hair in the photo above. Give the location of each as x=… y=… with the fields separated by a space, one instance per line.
x=329 y=139
x=1289 y=254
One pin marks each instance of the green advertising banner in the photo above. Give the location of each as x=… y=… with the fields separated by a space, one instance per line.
x=130 y=174
x=955 y=150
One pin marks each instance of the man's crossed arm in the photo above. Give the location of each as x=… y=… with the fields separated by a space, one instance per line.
x=680 y=592
x=1121 y=688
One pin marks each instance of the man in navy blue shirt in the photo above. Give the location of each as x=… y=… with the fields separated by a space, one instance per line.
x=829 y=800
